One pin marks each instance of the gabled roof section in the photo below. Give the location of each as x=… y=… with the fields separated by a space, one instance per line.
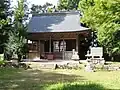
x=55 y=22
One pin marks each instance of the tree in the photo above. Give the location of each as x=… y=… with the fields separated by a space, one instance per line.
x=68 y=4
x=103 y=16
x=17 y=37
x=36 y=9
x=4 y=23
x=20 y=28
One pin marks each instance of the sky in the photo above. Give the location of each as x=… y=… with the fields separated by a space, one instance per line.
x=37 y=2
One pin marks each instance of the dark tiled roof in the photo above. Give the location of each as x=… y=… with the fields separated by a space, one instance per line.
x=56 y=22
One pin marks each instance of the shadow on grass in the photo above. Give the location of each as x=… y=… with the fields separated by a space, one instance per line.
x=33 y=79
x=76 y=86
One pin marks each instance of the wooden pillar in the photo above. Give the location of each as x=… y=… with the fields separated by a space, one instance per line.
x=50 y=45
x=36 y=48
x=63 y=50
x=32 y=51
x=77 y=40
x=39 y=48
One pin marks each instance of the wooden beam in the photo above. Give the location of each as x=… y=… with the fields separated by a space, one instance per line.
x=56 y=35
x=77 y=42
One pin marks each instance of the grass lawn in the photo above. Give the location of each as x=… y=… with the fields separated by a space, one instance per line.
x=61 y=79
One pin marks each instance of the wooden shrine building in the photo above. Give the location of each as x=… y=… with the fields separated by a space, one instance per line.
x=56 y=34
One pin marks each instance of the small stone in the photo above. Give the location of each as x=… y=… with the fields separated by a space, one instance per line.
x=89 y=67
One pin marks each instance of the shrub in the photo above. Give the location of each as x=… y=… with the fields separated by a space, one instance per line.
x=2 y=62
x=1 y=57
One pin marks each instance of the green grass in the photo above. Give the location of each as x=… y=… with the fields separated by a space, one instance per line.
x=76 y=86
x=61 y=79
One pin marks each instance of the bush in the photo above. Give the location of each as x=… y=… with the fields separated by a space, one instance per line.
x=2 y=62
x=1 y=57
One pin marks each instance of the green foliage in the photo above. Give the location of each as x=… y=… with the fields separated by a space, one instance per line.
x=1 y=57
x=49 y=10
x=4 y=23
x=104 y=17
x=4 y=5
x=36 y=9
x=68 y=4
x=19 y=11
x=16 y=44
x=2 y=62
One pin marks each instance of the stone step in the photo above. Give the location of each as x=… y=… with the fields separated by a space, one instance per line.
x=48 y=66
x=37 y=65
x=52 y=65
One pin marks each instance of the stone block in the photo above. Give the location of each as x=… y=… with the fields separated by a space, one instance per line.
x=48 y=66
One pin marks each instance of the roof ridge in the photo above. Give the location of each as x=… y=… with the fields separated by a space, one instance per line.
x=57 y=13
